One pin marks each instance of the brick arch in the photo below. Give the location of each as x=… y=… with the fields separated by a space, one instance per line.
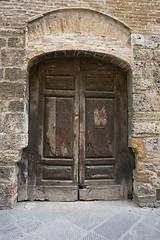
x=40 y=57
x=78 y=29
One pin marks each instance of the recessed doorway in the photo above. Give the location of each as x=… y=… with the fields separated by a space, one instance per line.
x=78 y=131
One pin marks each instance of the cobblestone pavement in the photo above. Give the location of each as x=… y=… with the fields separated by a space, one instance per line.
x=97 y=220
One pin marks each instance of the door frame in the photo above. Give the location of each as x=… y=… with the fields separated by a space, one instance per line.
x=23 y=180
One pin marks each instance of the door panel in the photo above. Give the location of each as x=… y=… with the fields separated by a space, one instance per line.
x=57 y=173
x=59 y=82
x=99 y=84
x=99 y=172
x=78 y=138
x=58 y=130
x=99 y=128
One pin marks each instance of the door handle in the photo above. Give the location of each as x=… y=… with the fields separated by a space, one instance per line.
x=76 y=116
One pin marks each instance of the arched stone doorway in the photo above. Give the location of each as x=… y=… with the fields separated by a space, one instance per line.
x=91 y=53
x=78 y=131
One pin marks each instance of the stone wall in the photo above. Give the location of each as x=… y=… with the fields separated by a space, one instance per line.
x=145 y=116
x=142 y=54
x=13 y=116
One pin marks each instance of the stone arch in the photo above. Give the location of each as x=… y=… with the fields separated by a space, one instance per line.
x=40 y=56
x=78 y=29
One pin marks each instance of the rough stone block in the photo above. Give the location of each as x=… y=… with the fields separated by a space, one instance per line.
x=19 y=141
x=15 y=122
x=142 y=54
x=6 y=32
x=141 y=83
x=145 y=201
x=7 y=174
x=2 y=42
x=152 y=144
x=143 y=189
x=149 y=69
x=5 y=141
x=146 y=127
x=150 y=168
x=137 y=39
x=14 y=74
x=12 y=57
x=3 y=107
x=12 y=90
x=17 y=42
x=141 y=177
x=1 y=124
x=1 y=73
x=8 y=193
x=16 y=106
x=146 y=101
x=137 y=69
x=10 y=157
x=152 y=41
x=157 y=55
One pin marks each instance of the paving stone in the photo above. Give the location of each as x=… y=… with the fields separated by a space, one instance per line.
x=46 y=216
x=92 y=236
x=152 y=219
x=63 y=230
x=140 y=211
x=117 y=225
x=84 y=219
x=105 y=212
x=11 y=232
x=5 y=218
x=19 y=214
x=77 y=221
x=30 y=224
x=33 y=236
x=142 y=232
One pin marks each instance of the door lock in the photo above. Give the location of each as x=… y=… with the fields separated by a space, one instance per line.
x=76 y=116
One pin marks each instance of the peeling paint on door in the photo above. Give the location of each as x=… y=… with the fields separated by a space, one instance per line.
x=100 y=116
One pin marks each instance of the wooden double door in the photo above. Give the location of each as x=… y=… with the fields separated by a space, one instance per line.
x=78 y=131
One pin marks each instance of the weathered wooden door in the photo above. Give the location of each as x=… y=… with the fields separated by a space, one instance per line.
x=78 y=131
